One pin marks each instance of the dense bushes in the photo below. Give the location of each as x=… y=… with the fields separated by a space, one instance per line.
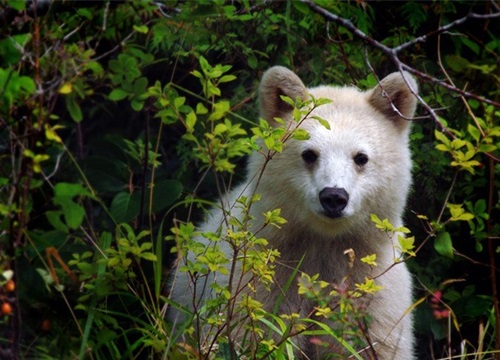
x=122 y=120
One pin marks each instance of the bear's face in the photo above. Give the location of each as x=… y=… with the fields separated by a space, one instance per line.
x=341 y=175
x=335 y=179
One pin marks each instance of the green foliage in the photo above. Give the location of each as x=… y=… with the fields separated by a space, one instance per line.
x=125 y=75
x=405 y=246
x=116 y=119
x=15 y=88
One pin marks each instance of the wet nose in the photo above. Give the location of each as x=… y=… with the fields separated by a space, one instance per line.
x=333 y=200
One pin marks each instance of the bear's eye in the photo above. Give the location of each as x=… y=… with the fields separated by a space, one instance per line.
x=361 y=159
x=309 y=156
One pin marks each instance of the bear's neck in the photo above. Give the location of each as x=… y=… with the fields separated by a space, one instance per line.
x=333 y=257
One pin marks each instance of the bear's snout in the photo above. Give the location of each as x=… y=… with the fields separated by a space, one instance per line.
x=333 y=200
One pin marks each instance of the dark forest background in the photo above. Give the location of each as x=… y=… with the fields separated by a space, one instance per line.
x=107 y=117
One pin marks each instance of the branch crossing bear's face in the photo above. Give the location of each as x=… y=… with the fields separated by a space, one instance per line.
x=336 y=178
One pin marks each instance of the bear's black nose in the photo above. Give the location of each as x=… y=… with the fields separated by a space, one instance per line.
x=333 y=200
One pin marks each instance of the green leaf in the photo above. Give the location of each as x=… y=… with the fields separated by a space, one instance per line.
x=143 y=29
x=18 y=5
x=201 y=109
x=458 y=143
x=205 y=66
x=191 y=121
x=322 y=121
x=480 y=206
x=252 y=61
x=54 y=218
x=149 y=256
x=471 y=44
x=303 y=8
x=322 y=101
x=288 y=100
x=465 y=217
x=227 y=78
x=27 y=84
x=73 y=213
x=197 y=74
x=297 y=114
x=74 y=109
x=458 y=213
x=442 y=138
x=70 y=190
x=140 y=88
x=407 y=244
x=165 y=193
x=137 y=105
x=301 y=134
x=456 y=63
x=443 y=244
x=370 y=259
x=474 y=131
x=179 y=101
x=220 y=129
x=220 y=109
x=486 y=148
x=117 y=95
x=124 y=207
x=442 y=147
x=113 y=261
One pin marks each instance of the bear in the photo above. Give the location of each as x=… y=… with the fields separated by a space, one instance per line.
x=327 y=185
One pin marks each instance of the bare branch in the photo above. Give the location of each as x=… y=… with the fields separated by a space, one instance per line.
x=455 y=89
x=444 y=28
x=392 y=52
x=350 y=26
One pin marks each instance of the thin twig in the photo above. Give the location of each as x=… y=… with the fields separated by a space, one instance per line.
x=443 y=29
x=392 y=53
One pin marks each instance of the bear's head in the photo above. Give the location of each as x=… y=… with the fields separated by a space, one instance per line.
x=336 y=178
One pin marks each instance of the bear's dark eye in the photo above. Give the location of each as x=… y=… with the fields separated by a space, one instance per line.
x=361 y=159
x=309 y=156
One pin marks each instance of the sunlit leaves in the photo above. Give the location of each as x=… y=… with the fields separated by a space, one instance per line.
x=463 y=151
x=211 y=76
x=458 y=213
x=311 y=286
x=50 y=133
x=405 y=244
x=37 y=159
x=274 y=218
x=66 y=88
x=370 y=259
x=369 y=287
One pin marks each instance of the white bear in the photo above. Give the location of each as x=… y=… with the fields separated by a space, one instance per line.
x=327 y=186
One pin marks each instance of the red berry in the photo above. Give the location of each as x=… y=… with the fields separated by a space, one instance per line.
x=45 y=325
x=10 y=286
x=6 y=308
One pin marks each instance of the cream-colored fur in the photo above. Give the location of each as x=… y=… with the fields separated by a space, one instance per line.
x=361 y=123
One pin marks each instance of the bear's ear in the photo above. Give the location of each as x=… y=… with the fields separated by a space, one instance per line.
x=393 y=98
x=275 y=82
